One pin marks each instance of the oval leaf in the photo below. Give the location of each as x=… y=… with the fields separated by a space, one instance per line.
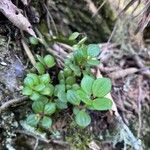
x=73 y=98
x=74 y=35
x=26 y=91
x=33 y=120
x=35 y=96
x=93 y=50
x=38 y=106
x=84 y=97
x=40 y=68
x=50 y=108
x=45 y=78
x=87 y=83
x=82 y=119
x=102 y=104
x=48 y=90
x=101 y=87
x=49 y=61
x=46 y=122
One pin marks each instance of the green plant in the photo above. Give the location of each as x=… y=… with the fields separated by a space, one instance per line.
x=77 y=87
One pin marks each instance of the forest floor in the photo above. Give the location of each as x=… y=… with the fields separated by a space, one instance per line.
x=125 y=60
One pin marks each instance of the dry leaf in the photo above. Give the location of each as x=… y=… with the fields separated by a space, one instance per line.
x=15 y=16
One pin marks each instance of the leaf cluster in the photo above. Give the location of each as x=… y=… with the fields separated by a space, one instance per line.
x=77 y=88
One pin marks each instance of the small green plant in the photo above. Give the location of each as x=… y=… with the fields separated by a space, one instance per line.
x=77 y=87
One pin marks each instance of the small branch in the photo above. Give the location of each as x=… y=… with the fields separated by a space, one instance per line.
x=12 y=102
x=28 y=52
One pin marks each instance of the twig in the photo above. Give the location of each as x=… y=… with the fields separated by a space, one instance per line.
x=28 y=52
x=122 y=73
x=139 y=106
x=12 y=102
x=98 y=9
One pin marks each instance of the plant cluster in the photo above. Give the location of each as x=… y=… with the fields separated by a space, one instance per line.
x=77 y=87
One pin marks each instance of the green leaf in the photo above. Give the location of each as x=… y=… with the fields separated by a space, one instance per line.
x=44 y=99
x=50 y=108
x=48 y=90
x=59 y=87
x=33 y=120
x=39 y=87
x=40 y=68
x=67 y=72
x=73 y=98
x=26 y=91
x=33 y=40
x=82 y=119
x=101 y=87
x=73 y=36
x=75 y=110
x=35 y=96
x=29 y=82
x=61 y=75
x=82 y=41
x=76 y=69
x=34 y=77
x=75 y=86
x=61 y=105
x=93 y=62
x=45 y=78
x=93 y=50
x=84 y=97
x=46 y=122
x=38 y=106
x=49 y=61
x=102 y=104
x=86 y=84
x=70 y=80
x=40 y=59
x=62 y=96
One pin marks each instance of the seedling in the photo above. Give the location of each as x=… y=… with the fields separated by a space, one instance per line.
x=77 y=88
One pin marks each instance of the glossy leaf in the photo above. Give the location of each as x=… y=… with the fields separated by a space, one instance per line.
x=50 y=108
x=93 y=50
x=45 y=78
x=62 y=96
x=86 y=84
x=70 y=80
x=35 y=96
x=49 y=61
x=33 y=120
x=38 y=106
x=46 y=122
x=40 y=59
x=82 y=119
x=34 y=77
x=48 y=90
x=39 y=87
x=40 y=68
x=29 y=82
x=75 y=110
x=73 y=98
x=84 y=97
x=33 y=40
x=101 y=87
x=74 y=35
x=102 y=104
x=26 y=91
x=67 y=72
x=61 y=105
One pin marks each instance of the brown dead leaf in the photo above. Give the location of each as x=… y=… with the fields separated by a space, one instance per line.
x=15 y=16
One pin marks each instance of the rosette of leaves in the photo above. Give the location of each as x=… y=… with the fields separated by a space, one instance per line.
x=90 y=96
x=44 y=63
x=43 y=109
x=37 y=85
x=83 y=58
